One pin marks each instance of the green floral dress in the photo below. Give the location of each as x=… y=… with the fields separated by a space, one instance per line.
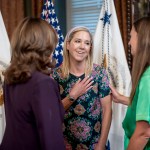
x=82 y=122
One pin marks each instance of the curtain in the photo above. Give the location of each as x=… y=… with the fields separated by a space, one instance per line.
x=14 y=11
x=124 y=14
x=37 y=7
x=12 y=14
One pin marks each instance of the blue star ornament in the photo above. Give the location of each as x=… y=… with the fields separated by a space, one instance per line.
x=106 y=18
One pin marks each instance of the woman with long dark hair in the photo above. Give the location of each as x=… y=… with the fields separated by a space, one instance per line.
x=137 y=118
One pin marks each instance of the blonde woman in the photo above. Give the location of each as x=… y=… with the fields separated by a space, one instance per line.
x=84 y=90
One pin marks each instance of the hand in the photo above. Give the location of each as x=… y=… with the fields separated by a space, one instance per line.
x=116 y=97
x=81 y=87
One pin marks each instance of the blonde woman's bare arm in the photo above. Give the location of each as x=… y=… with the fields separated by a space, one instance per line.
x=118 y=98
x=106 y=121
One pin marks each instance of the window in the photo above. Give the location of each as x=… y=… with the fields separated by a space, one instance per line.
x=83 y=13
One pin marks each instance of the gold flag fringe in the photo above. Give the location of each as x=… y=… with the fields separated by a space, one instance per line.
x=1 y=97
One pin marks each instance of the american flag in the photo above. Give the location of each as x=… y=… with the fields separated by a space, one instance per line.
x=48 y=14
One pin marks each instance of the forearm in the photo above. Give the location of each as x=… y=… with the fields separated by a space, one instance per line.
x=118 y=98
x=66 y=103
x=147 y=133
x=106 y=122
x=138 y=139
x=137 y=142
x=124 y=100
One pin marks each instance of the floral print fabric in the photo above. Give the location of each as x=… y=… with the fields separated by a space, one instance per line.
x=82 y=122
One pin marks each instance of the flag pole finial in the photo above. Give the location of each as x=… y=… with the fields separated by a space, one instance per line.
x=105 y=61
x=1 y=97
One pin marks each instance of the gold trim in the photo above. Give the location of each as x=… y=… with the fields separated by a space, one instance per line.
x=1 y=97
x=105 y=61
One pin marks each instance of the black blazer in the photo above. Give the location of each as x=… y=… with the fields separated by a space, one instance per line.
x=34 y=115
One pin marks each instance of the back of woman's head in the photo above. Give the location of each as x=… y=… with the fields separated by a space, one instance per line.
x=142 y=27
x=32 y=45
x=142 y=56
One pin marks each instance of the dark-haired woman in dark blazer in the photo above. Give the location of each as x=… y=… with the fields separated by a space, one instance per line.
x=34 y=113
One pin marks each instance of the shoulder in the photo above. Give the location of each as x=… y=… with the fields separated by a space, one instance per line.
x=145 y=79
x=44 y=82
x=99 y=69
x=147 y=72
x=146 y=75
x=57 y=73
x=39 y=77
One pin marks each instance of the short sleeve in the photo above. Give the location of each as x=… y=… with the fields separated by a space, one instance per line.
x=143 y=102
x=104 y=83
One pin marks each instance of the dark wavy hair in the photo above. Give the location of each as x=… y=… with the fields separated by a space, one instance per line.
x=141 y=60
x=32 y=46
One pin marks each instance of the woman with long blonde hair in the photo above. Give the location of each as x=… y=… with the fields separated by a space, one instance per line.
x=84 y=90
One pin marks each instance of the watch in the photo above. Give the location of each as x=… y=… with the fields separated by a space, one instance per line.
x=72 y=99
